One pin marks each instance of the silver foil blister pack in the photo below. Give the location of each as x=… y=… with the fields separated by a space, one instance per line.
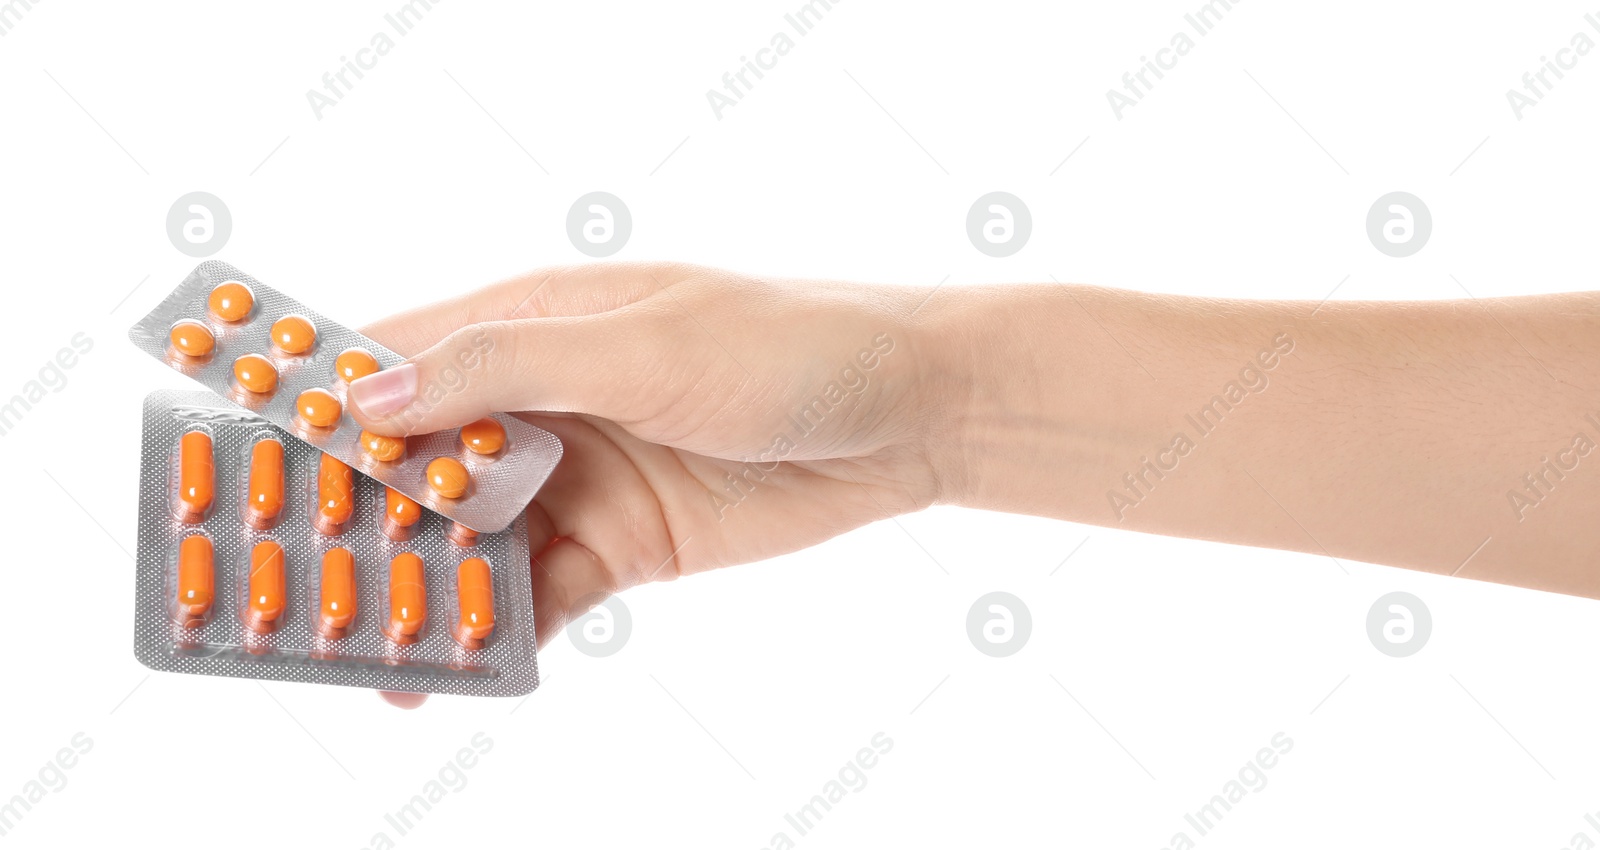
x=500 y=485
x=292 y=618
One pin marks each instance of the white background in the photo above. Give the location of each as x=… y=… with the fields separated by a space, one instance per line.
x=1156 y=667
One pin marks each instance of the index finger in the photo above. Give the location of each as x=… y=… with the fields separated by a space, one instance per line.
x=557 y=291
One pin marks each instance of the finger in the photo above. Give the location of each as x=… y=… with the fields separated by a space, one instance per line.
x=566 y=577
x=557 y=291
x=593 y=364
x=603 y=497
x=402 y=699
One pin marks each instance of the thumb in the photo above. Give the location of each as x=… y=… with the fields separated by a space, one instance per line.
x=579 y=364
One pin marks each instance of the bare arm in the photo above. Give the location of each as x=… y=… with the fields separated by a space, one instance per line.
x=1402 y=433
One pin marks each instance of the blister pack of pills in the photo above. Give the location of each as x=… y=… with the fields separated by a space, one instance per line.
x=261 y=557
x=271 y=354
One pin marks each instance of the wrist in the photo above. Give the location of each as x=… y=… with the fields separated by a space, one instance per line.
x=992 y=392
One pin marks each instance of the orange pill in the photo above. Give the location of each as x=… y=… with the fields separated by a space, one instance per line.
x=448 y=477
x=337 y=610
x=401 y=516
x=197 y=473
x=336 y=484
x=264 y=493
x=354 y=363
x=461 y=535
x=294 y=334
x=408 y=599
x=383 y=448
x=484 y=437
x=268 y=588
x=475 y=603
x=231 y=301
x=192 y=339
x=318 y=407
x=255 y=373
x=196 y=581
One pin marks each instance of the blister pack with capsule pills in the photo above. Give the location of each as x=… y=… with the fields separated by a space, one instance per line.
x=270 y=354
x=261 y=557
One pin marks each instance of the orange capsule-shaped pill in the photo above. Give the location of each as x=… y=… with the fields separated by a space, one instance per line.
x=264 y=492
x=484 y=437
x=268 y=588
x=408 y=599
x=196 y=581
x=318 y=407
x=448 y=477
x=196 y=477
x=231 y=301
x=337 y=609
x=401 y=516
x=475 y=598
x=294 y=334
x=354 y=363
x=461 y=535
x=336 y=502
x=255 y=374
x=383 y=448
x=191 y=339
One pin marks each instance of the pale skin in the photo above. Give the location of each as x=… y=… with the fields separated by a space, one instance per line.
x=1445 y=436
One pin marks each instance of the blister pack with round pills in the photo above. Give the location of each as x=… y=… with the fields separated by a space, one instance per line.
x=272 y=355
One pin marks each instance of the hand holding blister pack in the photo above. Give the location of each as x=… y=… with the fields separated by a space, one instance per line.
x=279 y=540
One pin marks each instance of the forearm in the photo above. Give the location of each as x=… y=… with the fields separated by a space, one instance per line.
x=1397 y=433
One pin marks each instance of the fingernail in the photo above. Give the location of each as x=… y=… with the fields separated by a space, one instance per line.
x=385 y=392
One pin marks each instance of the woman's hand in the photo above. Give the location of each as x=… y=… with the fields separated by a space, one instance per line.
x=708 y=419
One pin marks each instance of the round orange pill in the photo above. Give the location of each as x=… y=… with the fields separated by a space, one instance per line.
x=448 y=477
x=192 y=339
x=255 y=373
x=485 y=436
x=231 y=301
x=383 y=448
x=354 y=363
x=318 y=407
x=294 y=334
